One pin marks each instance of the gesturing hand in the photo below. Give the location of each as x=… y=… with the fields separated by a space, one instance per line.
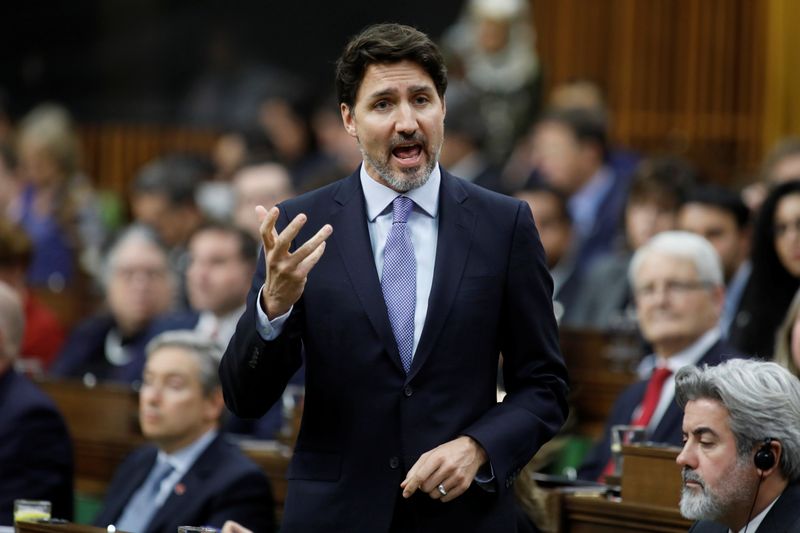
x=287 y=272
x=451 y=466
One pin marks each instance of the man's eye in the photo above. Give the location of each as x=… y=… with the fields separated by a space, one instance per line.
x=421 y=100
x=383 y=104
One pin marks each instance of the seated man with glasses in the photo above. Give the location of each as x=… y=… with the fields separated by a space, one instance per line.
x=679 y=292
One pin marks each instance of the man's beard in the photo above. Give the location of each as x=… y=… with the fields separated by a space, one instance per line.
x=733 y=490
x=407 y=178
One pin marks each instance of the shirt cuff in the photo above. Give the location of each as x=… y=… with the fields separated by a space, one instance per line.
x=269 y=329
x=485 y=478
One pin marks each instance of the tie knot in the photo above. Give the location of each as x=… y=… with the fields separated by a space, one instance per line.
x=401 y=208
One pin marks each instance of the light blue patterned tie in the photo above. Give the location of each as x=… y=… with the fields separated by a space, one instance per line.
x=142 y=506
x=399 y=279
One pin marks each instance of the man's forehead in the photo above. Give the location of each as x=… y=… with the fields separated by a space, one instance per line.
x=385 y=77
x=706 y=414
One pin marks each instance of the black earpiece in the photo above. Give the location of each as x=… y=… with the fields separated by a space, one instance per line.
x=764 y=458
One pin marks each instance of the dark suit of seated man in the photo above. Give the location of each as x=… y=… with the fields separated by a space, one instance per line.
x=35 y=447
x=191 y=476
x=741 y=452
x=679 y=291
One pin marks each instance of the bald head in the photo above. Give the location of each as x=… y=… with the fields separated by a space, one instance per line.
x=12 y=324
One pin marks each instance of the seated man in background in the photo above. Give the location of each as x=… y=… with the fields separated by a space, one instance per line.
x=679 y=292
x=266 y=184
x=550 y=212
x=741 y=452
x=35 y=447
x=139 y=287
x=720 y=215
x=190 y=475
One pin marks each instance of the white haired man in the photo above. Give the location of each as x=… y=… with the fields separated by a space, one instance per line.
x=741 y=452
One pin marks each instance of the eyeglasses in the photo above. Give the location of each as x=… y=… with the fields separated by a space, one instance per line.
x=670 y=287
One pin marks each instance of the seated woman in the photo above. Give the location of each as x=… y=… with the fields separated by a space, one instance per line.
x=776 y=273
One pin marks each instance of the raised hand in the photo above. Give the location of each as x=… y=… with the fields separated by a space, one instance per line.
x=287 y=272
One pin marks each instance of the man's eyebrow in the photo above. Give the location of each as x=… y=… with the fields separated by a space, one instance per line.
x=704 y=430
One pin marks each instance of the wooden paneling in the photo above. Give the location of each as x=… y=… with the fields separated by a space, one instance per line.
x=113 y=153
x=683 y=76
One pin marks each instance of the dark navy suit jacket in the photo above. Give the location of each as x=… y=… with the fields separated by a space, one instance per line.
x=668 y=430
x=784 y=517
x=35 y=449
x=366 y=422
x=221 y=485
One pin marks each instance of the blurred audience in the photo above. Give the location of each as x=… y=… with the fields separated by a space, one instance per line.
x=782 y=164
x=266 y=184
x=679 y=291
x=139 y=287
x=180 y=403
x=44 y=334
x=56 y=204
x=35 y=447
x=163 y=196
x=549 y=208
x=775 y=277
x=463 y=151
x=720 y=215
x=787 y=340
x=658 y=188
x=570 y=153
x=492 y=50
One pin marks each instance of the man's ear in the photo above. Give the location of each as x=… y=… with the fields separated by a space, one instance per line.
x=348 y=119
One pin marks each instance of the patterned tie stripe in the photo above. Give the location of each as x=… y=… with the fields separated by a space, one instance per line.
x=399 y=279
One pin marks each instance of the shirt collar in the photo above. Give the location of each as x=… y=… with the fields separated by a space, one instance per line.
x=183 y=459
x=755 y=523
x=378 y=196
x=692 y=354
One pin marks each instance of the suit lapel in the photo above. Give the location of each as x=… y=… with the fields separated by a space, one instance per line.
x=124 y=493
x=456 y=226
x=187 y=489
x=351 y=237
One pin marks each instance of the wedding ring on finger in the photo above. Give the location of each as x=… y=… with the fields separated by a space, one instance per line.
x=441 y=489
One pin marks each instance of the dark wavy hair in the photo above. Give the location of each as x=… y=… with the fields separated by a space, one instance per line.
x=387 y=43
x=771 y=288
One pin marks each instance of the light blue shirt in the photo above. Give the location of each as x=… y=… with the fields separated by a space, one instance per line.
x=181 y=461
x=423 y=223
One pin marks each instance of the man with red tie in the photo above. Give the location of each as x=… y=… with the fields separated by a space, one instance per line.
x=679 y=291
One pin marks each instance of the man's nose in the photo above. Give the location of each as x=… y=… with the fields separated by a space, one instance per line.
x=406 y=119
x=684 y=458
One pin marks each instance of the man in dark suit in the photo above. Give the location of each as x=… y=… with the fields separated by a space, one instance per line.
x=35 y=447
x=741 y=452
x=426 y=279
x=191 y=476
x=678 y=286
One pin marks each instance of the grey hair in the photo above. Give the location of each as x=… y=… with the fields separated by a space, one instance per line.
x=684 y=245
x=12 y=322
x=204 y=350
x=762 y=399
x=134 y=232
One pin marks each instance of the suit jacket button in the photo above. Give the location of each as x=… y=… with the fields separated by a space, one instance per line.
x=394 y=462
x=408 y=391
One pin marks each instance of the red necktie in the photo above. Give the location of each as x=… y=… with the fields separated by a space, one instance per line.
x=652 y=395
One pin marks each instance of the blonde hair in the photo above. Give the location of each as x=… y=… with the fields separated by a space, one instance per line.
x=783 y=338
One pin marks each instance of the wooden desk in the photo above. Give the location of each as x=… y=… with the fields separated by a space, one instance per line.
x=104 y=424
x=34 y=527
x=601 y=365
x=651 y=484
x=598 y=515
